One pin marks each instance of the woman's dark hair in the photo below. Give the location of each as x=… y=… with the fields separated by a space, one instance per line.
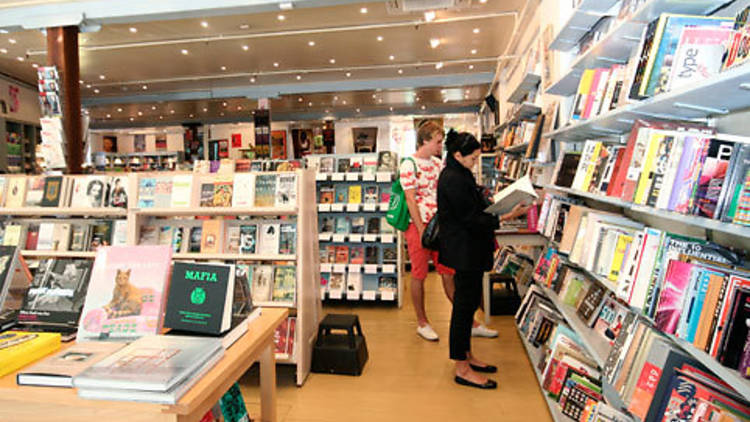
x=463 y=142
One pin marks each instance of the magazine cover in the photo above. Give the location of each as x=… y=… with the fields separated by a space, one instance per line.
x=127 y=292
x=118 y=196
x=146 y=186
x=286 y=191
x=57 y=292
x=248 y=238
x=265 y=190
x=285 y=284
x=90 y=192
x=287 y=239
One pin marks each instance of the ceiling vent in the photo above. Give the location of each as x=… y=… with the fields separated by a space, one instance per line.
x=410 y=6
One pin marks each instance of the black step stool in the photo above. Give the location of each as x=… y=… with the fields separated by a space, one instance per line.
x=507 y=301
x=343 y=354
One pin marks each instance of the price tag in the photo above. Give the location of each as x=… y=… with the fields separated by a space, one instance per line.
x=324 y=207
x=322 y=293
x=355 y=268
x=321 y=176
x=387 y=238
x=339 y=237
x=339 y=268
x=352 y=296
x=334 y=295
x=371 y=269
x=368 y=295
x=337 y=177
x=324 y=237
x=352 y=207
x=371 y=238
x=368 y=177
x=369 y=207
x=326 y=267
x=384 y=207
x=383 y=177
x=352 y=177
x=337 y=207
x=389 y=268
x=388 y=296
x=355 y=238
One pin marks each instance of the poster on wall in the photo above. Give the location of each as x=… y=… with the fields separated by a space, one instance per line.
x=161 y=142
x=139 y=143
x=278 y=144
x=236 y=140
x=364 y=138
x=262 y=120
x=109 y=143
x=329 y=137
x=302 y=140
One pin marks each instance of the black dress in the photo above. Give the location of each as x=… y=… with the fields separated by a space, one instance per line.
x=466 y=245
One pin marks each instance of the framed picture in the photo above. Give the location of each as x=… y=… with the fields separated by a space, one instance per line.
x=161 y=142
x=236 y=140
x=139 y=143
x=109 y=143
x=364 y=138
x=278 y=144
x=302 y=140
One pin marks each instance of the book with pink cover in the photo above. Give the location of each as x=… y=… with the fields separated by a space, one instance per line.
x=670 y=306
x=127 y=292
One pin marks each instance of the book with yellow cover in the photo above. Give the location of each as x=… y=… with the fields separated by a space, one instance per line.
x=355 y=194
x=20 y=348
x=584 y=89
x=591 y=165
x=621 y=248
x=647 y=172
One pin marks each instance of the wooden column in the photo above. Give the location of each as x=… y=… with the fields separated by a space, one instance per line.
x=62 y=51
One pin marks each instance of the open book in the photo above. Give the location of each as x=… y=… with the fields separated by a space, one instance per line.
x=519 y=191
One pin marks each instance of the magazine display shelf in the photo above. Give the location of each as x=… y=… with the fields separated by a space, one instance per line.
x=308 y=306
x=63 y=404
x=529 y=83
x=619 y=43
x=581 y=20
x=527 y=111
x=64 y=211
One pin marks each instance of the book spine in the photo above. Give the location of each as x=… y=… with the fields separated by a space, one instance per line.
x=652 y=56
x=647 y=172
x=642 y=58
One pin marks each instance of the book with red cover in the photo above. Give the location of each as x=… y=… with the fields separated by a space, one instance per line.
x=280 y=337
x=342 y=254
x=621 y=167
x=32 y=237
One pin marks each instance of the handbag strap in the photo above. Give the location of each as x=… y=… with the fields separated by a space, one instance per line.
x=414 y=163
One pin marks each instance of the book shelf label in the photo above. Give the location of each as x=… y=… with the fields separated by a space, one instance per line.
x=388 y=296
x=369 y=207
x=339 y=268
x=368 y=177
x=322 y=293
x=321 y=176
x=384 y=207
x=355 y=268
x=352 y=296
x=326 y=268
x=324 y=237
x=368 y=295
x=371 y=269
x=389 y=268
x=334 y=295
x=357 y=238
x=352 y=177
x=387 y=238
x=339 y=237
x=371 y=238
x=324 y=207
x=338 y=177
x=337 y=207
x=352 y=207
x=383 y=177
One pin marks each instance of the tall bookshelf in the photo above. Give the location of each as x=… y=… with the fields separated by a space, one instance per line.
x=308 y=305
x=18 y=142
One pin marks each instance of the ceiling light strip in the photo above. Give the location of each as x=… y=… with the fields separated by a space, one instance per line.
x=221 y=37
x=303 y=71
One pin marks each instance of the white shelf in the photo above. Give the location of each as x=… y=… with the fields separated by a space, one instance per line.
x=702 y=222
x=233 y=256
x=580 y=22
x=271 y=304
x=58 y=254
x=285 y=359
x=516 y=149
x=56 y=211
x=618 y=44
x=364 y=296
x=534 y=355
x=526 y=112
x=193 y=211
x=529 y=83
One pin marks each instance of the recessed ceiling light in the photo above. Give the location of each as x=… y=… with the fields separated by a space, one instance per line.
x=439 y=65
x=287 y=5
x=35 y=66
x=416 y=98
x=423 y=107
x=363 y=10
x=153 y=107
x=204 y=24
x=434 y=42
x=391 y=57
x=344 y=102
x=299 y=99
x=184 y=52
x=4 y=50
x=473 y=51
x=332 y=61
x=374 y=96
x=476 y=30
x=348 y=74
x=445 y=100
x=311 y=43
x=140 y=113
x=357 y=110
x=335 y=98
x=252 y=80
x=205 y=109
x=400 y=71
x=132 y=118
x=12 y=40
x=119 y=109
x=239 y=108
x=223 y=68
x=380 y=38
x=483 y=1
x=467 y=91
x=133 y=29
x=224 y=103
x=96 y=91
x=299 y=77
x=102 y=77
x=275 y=64
x=109 y=116
x=245 y=47
x=281 y=17
x=161 y=117
x=380 y=101
x=471 y=66
x=443 y=91
x=390 y=108
x=191 y=115
x=309 y=104
x=429 y=16
x=171 y=111
x=88 y=86
x=144 y=87
x=244 y=26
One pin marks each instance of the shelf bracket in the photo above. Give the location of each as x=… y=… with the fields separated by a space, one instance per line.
x=631 y=38
x=579 y=28
x=611 y=60
x=704 y=109
x=606 y=130
x=626 y=121
x=664 y=116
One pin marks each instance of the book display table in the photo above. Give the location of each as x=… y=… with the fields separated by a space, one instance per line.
x=63 y=404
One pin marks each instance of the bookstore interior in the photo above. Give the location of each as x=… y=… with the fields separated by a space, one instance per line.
x=154 y=155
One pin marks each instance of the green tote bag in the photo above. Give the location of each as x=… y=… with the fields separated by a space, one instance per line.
x=398 y=211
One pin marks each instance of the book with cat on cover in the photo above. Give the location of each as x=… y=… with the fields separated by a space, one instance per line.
x=59 y=369
x=126 y=293
x=285 y=284
x=200 y=298
x=265 y=190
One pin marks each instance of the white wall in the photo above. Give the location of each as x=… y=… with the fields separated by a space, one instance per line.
x=28 y=107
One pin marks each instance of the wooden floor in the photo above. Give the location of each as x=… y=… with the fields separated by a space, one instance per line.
x=410 y=379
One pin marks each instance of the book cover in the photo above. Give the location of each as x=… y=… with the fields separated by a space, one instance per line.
x=326 y=194
x=667 y=148
x=387 y=161
x=118 y=192
x=57 y=292
x=630 y=179
x=385 y=193
x=89 y=192
x=337 y=284
x=45 y=242
x=126 y=293
x=200 y=298
x=177 y=241
x=373 y=225
x=676 y=282
x=342 y=194
x=734 y=336
x=609 y=322
x=18 y=349
x=248 y=238
x=59 y=369
x=651 y=156
x=206 y=193
x=357 y=224
x=327 y=164
x=149 y=235
x=268 y=241
x=286 y=192
x=357 y=255
x=32 y=237
x=16 y=192
x=244 y=190
x=34 y=191
x=232 y=243
x=182 y=191
x=712 y=175
x=370 y=164
x=223 y=190
x=262 y=283
x=146 y=186
x=287 y=239
x=265 y=190
x=194 y=241
x=354 y=283
x=343 y=165
x=371 y=194
x=211 y=239
x=285 y=284
x=343 y=224
x=101 y=235
x=371 y=254
x=688 y=169
x=584 y=88
x=646 y=53
x=52 y=191
x=698 y=56
x=355 y=194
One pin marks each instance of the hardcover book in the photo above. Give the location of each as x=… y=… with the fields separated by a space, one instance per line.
x=200 y=298
x=19 y=348
x=248 y=238
x=223 y=189
x=265 y=190
x=126 y=294
x=287 y=239
x=211 y=236
x=207 y=193
x=244 y=190
x=16 y=193
x=146 y=186
x=285 y=284
x=182 y=191
x=118 y=192
x=52 y=191
x=59 y=369
x=34 y=191
x=89 y=192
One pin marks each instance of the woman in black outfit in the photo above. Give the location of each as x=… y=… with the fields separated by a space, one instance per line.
x=466 y=245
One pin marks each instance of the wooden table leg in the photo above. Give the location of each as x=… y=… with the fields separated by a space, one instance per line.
x=268 y=384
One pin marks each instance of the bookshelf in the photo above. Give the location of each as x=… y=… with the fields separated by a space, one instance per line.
x=18 y=142
x=581 y=20
x=529 y=82
x=526 y=111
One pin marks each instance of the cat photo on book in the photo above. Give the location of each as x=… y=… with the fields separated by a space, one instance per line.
x=126 y=298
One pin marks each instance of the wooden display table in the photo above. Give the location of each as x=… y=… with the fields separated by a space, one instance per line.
x=63 y=404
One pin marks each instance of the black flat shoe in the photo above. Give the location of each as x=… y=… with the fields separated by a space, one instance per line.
x=489 y=369
x=489 y=385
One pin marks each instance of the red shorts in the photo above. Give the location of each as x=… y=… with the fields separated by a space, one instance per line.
x=420 y=257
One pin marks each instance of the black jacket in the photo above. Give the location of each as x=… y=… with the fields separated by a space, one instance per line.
x=466 y=231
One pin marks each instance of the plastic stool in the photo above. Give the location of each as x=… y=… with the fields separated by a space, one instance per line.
x=344 y=354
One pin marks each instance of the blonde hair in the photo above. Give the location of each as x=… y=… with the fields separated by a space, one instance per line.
x=426 y=131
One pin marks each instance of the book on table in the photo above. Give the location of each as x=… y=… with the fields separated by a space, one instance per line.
x=520 y=191
x=19 y=348
x=59 y=369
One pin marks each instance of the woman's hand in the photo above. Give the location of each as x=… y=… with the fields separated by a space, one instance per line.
x=517 y=211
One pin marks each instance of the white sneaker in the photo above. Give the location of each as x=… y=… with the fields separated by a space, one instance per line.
x=482 y=331
x=427 y=333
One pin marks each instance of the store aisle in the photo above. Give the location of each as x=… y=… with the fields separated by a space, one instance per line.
x=409 y=379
